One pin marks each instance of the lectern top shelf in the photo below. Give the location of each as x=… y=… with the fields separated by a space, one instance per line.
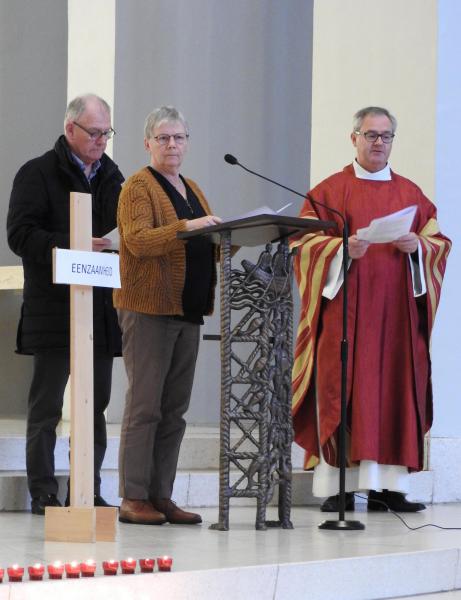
x=259 y=229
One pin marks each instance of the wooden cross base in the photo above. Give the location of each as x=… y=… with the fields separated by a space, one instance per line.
x=82 y=524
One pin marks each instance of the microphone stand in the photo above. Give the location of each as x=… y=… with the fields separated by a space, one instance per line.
x=341 y=523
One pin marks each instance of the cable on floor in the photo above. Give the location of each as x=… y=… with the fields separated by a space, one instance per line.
x=403 y=520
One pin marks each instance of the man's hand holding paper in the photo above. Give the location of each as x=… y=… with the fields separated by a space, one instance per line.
x=407 y=243
x=357 y=248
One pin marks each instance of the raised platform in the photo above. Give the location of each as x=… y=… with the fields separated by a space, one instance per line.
x=386 y=560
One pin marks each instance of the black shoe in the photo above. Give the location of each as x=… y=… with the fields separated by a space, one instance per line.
x=331 y=504
x=385 y=500
x=98 y=501
x=39 y=503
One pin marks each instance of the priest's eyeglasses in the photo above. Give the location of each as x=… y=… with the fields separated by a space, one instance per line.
x=95 y=134
x=163 y=139
x=372 y=136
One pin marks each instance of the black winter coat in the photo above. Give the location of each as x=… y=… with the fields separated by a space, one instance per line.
x=38 y=220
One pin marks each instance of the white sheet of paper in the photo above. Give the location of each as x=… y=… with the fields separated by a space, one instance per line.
x=114 y=237
x=279 y=210
x=388 y=228
x=262 y=210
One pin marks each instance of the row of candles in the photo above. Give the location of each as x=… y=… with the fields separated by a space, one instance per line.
x=74 y=569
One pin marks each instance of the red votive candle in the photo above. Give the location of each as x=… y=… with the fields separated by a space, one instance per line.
x=55 y=570
x=110 y=567
x=1 y=575
x=15 y=573
x=88 y=568
x=73 y=570
x=164 y=563
x=128 y=566
x=147 y=565
x=36 y=572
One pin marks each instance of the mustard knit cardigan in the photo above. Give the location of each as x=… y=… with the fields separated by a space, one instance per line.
x=152 y=259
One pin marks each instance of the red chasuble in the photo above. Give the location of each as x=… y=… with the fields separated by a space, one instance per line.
x=388 y=384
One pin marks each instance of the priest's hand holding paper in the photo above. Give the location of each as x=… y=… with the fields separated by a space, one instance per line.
x=357 y=248
x=407 y=243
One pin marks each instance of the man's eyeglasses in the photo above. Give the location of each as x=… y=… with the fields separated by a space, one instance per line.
x=95 y=134
x=372 y=136
x=163 y=139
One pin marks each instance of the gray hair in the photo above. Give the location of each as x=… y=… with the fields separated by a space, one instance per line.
x=77 y=106
x=372 y=110
x=163 y=113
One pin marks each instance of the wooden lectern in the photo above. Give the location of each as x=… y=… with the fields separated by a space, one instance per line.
x=81 y=521
x=256 y=363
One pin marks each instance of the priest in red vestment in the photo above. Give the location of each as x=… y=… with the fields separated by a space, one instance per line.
x=394 y=290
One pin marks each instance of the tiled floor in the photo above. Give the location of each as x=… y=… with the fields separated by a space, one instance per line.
x=456 y=595
x=198 y=547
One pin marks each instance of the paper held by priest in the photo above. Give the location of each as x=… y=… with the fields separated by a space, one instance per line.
x=388 y=228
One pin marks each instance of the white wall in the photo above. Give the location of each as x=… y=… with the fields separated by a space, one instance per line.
x=446 y=342
x=91 y=48
x=370 y=52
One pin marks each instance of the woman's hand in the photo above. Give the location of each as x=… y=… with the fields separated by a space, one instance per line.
x=207 y=221
x=357 y=248
x=407 y=243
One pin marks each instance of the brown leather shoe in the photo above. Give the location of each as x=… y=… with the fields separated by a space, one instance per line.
x=140 y=512
x=174 y=514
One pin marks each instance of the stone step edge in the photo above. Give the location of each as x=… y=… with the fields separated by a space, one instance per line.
x=197 y=452
x=197 y=488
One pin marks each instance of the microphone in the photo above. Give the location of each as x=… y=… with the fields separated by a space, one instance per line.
x=230 y=159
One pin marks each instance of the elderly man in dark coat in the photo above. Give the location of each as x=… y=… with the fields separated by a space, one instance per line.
x=38 y=220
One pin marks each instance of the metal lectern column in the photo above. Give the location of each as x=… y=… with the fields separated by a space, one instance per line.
x=256 y=363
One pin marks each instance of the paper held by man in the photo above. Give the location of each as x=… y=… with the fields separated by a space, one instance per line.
x=114 y=237
x=388 y=228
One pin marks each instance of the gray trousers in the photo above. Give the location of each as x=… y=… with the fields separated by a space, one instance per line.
x=160 y=353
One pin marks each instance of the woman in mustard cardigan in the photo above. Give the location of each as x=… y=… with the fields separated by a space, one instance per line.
x=167 y=288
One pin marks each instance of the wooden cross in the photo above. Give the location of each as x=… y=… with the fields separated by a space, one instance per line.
x=81 y=521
